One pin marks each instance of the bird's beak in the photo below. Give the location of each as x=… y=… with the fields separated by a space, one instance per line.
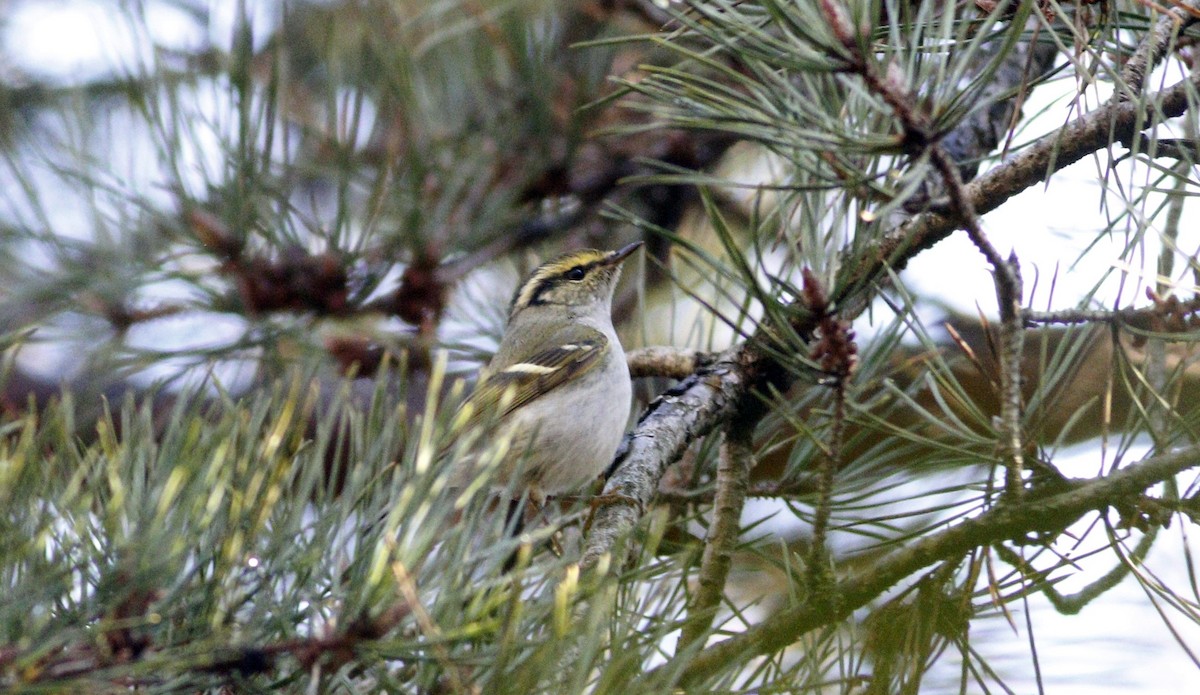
x=621 y=254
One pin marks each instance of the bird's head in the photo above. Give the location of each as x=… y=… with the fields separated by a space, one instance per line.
x=578 y=280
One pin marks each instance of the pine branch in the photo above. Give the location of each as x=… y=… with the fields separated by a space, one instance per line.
x=707 y=399
x=1045 y=515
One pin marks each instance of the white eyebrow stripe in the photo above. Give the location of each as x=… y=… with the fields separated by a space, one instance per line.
x=525 y=368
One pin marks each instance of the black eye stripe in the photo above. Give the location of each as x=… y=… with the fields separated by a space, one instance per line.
x=536 y=296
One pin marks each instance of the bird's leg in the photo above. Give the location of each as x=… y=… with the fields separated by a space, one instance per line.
x=539 y=501
x=514 y=524
x=608 y=499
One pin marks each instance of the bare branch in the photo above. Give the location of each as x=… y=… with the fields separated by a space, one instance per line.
x=1154 y=47
x=1170 y=313
x=733 y=473
x=674 y=363
x=667 y=428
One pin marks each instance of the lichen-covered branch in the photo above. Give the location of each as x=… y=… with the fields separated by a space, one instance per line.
x=667 y=428
x=670 y=362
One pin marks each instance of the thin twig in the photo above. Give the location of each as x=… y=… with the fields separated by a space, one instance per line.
x=733 y=473
x=820 y=572
x=1169 y=313
x=791 y=489
x=1067 y=317
x=1154 y=47
x=835 y=352
x=1007 y=276
x=1071 y=604
x=1012 y=346
x=245 y=660
x=918 y=137
x=670 y=362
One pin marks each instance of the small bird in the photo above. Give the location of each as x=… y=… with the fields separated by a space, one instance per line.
x=558 y=385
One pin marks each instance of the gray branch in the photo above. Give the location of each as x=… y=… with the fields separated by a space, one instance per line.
x=675 y=420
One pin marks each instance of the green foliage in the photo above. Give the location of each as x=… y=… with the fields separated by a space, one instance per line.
x=208 y=548
x=283 y=227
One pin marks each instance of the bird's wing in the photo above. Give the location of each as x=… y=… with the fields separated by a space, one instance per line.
x=502 y=388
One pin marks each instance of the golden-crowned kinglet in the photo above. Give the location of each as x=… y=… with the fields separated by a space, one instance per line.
x=558 y=385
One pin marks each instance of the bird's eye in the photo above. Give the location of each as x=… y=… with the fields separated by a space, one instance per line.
x=575 y=273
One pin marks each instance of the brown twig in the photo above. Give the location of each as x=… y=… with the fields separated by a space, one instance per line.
x=790 y=489
x=1171 y=314
x=673 y=363
x=836 y=353
x=733 y=473
x=1154 y=47
x=1007 y=276
x=918 y=138
x=82 y=660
